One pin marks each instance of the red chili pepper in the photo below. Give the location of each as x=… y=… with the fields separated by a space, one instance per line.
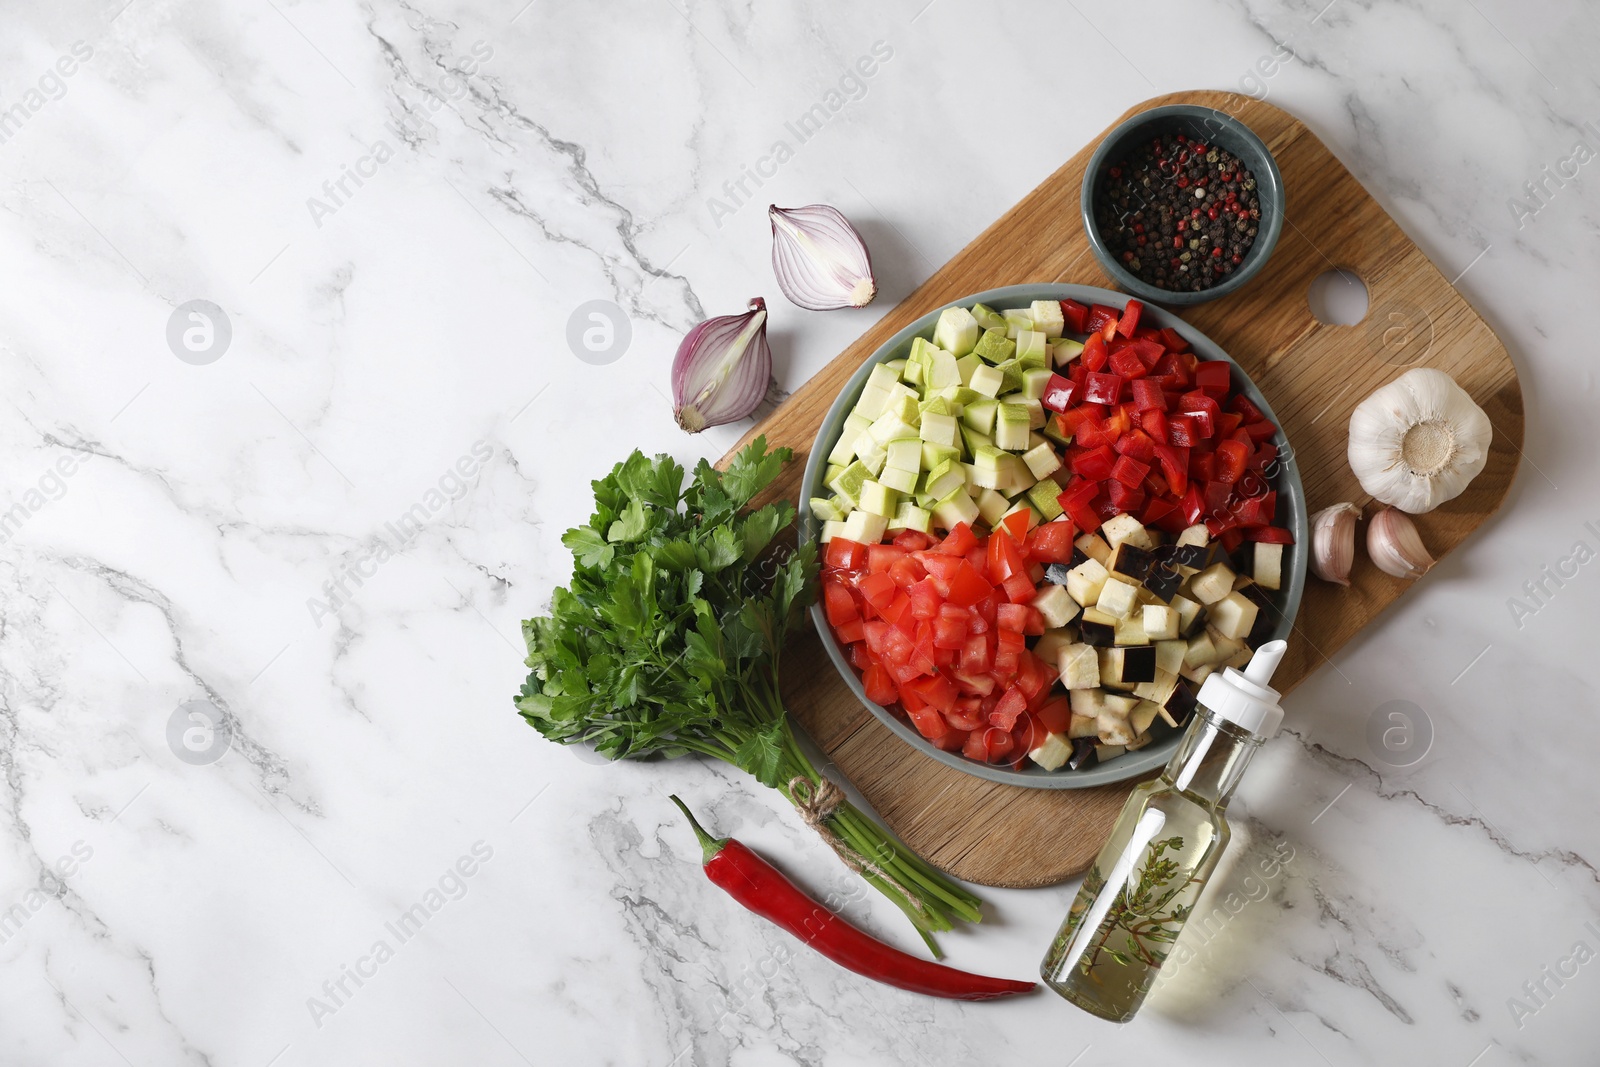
x=763 y=889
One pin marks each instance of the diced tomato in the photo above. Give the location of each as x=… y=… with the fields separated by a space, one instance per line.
x=838 y=603
x=1214 y=377
x=967 y=586
x=881 y=557
x=977 y=655
x=929 y=722
x=925 y=599
x=958 y=542
x=1094 y=353
x=845 y=555
x=1055 y=715
x=1020 y=588
x=1034 y=676
x=997 y=744
x=1005 y=558
x=1231 y=459
x=1011 y=707
x=912 y=540
x=849 y=632
x=1017 y=524
x=1014 y=617
x=1103 y=388
x=1130 y=318
x=878 y=589
x=953 y=740
x=1085 y=516
x=1075 y=316
x=1270 y=535
x=973 y=747
x=879 y=686
x=966 y=715
x=938 y=691
x=1059 y=393
x=1008 y=646
x=1051 y=542
x=907 y=571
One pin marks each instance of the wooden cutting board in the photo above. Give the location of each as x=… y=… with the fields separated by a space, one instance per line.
x=1313 y=375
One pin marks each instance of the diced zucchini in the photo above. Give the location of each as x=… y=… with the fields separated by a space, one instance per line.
x=864 y=527
x=883 y=376
x=878 y=499
x=940 y=429
x=1064 y=350
x=871 y=455
x=901 y=481
x=1018 y=320
x=1035 y=380
x=956 y=332
x=870 y=403
x=987 y=381
x=904 y=454
x=988 y=318
x=966 y=365
x=1011 y=427
x=1047 y=318
x=1043 y=498
x=844 y=449
x=830 y=530
x=1031 y=349
x=944 y=479
x=979 y=414
x=910 y=517
x=848 y=484
x=995 y=347
x=826 y=509
x=955 y=509
x=940 y=370
x=992 y=506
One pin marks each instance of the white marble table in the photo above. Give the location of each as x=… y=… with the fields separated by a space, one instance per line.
x=327 y=529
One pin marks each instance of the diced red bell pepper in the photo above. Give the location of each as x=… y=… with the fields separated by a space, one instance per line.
x=1059 y=393
x=1260 y=430
x=1213 y=377
x=1174 y=463
x=1092 y=433
x=1231 y=459
x=1094 y=353
x=1156 y=509
x=1155 y=424
x=1103 y=388
x=1099 y=315
x=1129 y=471
x=1202 y=465
x=1123 y=498
x=1173 y=339
x=1148 y=396
x=845 y=555
x=1095 y=464
x=1125 y=361
x=1067 y=422
x=1181 y=430
x=1217 y=497
x=1270 y=535
x=1231 y=539
x=1075 y=316
x=1193 y=505
x=1229 y=422
x=1130 y=318
x=1137 y=444
x=1263 y=457
x=1242 y=405
x=1051 y=542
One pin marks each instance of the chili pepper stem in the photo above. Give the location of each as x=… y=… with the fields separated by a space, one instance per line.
x=709 y=846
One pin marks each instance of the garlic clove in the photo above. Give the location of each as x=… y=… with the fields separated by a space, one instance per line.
x=722 y=369
x=819 y=259
x=1333 y=542
x=1395 y=545
x=1418 y=441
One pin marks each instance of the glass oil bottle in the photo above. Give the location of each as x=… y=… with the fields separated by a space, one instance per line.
x=1143 y=886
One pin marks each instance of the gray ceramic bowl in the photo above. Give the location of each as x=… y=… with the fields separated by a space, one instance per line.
x=1214 y=127
x=1291 y=500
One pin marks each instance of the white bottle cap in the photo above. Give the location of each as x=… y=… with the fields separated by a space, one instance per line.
x=1243 y=697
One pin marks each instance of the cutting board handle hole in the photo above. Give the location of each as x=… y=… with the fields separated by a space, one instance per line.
x=1338 y=297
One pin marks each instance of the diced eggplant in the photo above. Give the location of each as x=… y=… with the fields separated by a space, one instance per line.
x=1267 y=566
x=1177 y=708
x=1086 y=580
x=1079 y=666
x=1142 y=716
x=1114 y=729
x=1158 y=689
x=1093 y=546
x=1082 y=727
x=1212 y=584
x=1056 y=605
x=1056 y=573
x=1129 y=666
x=1078 y=556
x=1164 y=579
x=1169 y=655
x=1138 y=742
x=1160 y=622
x=1098 y=634
x=1052 y=753
x=1117 y=597
x=1105 y=753
x=1050 y=646
x=1198 y=534
x=1083 y=753
x=1125 y=527
x=1190 y=618
x=1234 y=615
x=1130 y=631
x=1131 y=562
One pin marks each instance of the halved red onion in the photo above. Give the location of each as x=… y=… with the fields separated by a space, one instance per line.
x=722 y=369
x=820 y=260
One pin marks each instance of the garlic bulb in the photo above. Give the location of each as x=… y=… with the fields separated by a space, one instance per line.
x=1416 y=442
x=1333 y=542
x=1395 y=546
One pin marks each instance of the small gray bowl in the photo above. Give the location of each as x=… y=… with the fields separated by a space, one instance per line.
x=1212 y=127
x=1291 y=500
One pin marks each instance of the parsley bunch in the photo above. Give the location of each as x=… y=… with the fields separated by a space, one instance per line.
x=667 y=642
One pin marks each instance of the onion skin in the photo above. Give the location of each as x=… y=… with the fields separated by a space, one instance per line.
x=819 y=259
x=721 y=370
